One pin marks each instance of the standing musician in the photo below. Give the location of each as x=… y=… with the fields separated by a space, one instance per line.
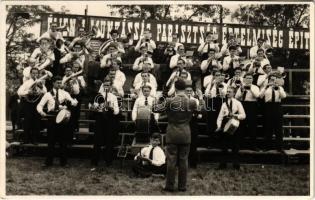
x=144 y=58
x=237 y=79
x=31 y=91
x=178 y=136
x=60 y=51
x=215 y=94
x=232 y=41
x=107 y=60
x=209 y=43
x=147 y=41
x=248 y=94
x=43 y=56
x=106 y=107
x=180 y=56
x=272 y=94
x=57 y=101
x=231 y=62
x=230 y=109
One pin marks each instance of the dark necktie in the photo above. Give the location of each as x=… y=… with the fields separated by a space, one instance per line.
x=217 y=92
x=231 y=64
x=151 y=153
x=146 y=101
x=106 y=96
x=57 y=100
x=273 y=95
x=244 y=95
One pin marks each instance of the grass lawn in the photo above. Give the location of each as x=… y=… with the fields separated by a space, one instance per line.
x=25 y=177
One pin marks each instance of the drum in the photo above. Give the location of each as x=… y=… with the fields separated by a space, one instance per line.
x=231 y=126
x=143 y=119
x=63 y=116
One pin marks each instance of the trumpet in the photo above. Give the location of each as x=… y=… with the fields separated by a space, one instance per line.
x=238 y=82
x=71 y=78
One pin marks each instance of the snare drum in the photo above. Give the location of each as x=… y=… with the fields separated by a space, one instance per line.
x=143 y=119
x=63 y=116
x=231 y=126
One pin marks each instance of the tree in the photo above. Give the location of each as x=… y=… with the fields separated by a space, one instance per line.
x=20 y=43
x=291 y=15
x=207 y=11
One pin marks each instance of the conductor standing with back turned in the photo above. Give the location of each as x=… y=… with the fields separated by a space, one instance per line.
x=179 y=111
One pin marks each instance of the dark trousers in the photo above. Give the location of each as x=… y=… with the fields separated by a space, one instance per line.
x=148 y=170
x=31 y=123
x=105 y=134
x=177 y=153
x=57 y=133
x=193 y=155
x=249 y=125
x=75 y=113
x=230 y=141
x=213 y=106
x=273 y=124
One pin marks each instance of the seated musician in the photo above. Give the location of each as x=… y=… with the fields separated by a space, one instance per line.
x=182 y=76
x=231 y=62
x=232 y=41
x=43 y=56
x=31 y=92
x=113 y=41
x=172 y=46
x=215 y=95
x=209 y=43
x=262 y=79
x=146 y=40
x=272 y=93
x=248 y=94
x=112 y=54
x=144 y=58
x=260 y=45
x=82 y=37
x=106 y=107
x=139 y=77
x=180 y=55
x=78 y=54
x=237 y=79
x=207 y=65
x=208 y=79
x=230 y=109
x=151 y=159
x=27 y=71
x=56 y=100
x=261 y=58
x=146 y=80
x=180 y=67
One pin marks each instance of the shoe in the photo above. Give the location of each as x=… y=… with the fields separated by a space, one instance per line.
x=168 y=189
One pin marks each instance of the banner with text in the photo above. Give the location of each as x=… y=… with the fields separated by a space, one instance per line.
x=191 y=33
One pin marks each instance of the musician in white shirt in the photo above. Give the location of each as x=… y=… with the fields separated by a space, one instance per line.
x=113 y=41
x=183 y=75
x=56 y=100
x=82 y=37
x=262 y=79
x=142 y=60
x=139 y=79
x=151 y=159
x=272 y=94
x=207 y=66
x=237 y=79
x=248 y=94
x=180 y=56
x=217 y=88
x=231 y=108
x=261 y=59
x=232 y=40
x=204 y=47
x=43 y=56
x=180 y=67
x=260 y=45
x=231 y=62
x=78 y=55
x=147 y=41
x=146 y=79
x=112 y=54
x=53 y=33
x=105 y=124
x=31 y=91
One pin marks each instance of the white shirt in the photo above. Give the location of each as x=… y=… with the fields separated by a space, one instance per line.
x=76 y=84
x=227 y=61
x=211 y=92
x=151 y=45
x=262 y=80
x=138 y=87
x=225 y=51
x=207 y=80
x=260 y=70
x=138 y=80
x=237 y=107
x=266 y=93
x=49 y=99
x=138 y=64
x=204 y=65
x=204 y=47
x=174 y=60
x=24 y=89
x=251 y=95
x=176 y=73
x=253 y=51
x=46 y=58
x=120 y=46
x=231 y=82
x=112 y=101
x=106 y=60
x=140 y=102
x=69 y=56
x=158 y=155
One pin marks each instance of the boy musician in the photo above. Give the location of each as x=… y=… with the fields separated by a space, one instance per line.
x=106 y=105
x=231 y=108
x=180 y=56
x=215 y=94
x=231 y=62
x=147 y=41
x=143 y=59
x=237 y=79
x=248 y=94
x=272 y=94
x=31 y=91
x=209 y=78
x=55 y=100
x=151 y=159
x=209 y=43
x=43 y=56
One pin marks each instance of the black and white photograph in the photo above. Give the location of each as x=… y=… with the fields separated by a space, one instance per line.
x=166 y=99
